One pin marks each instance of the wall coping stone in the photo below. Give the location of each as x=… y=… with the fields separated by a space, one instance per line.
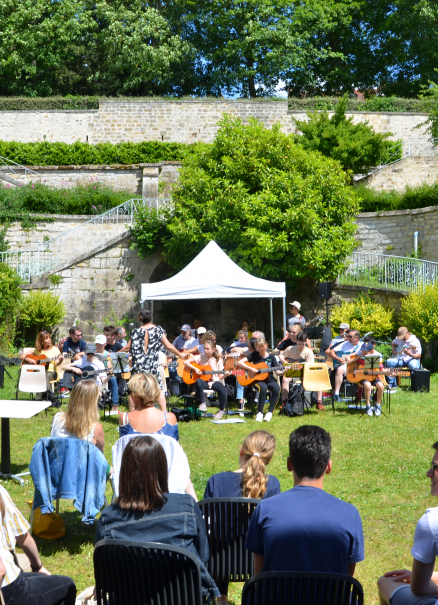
x=350 y=288
x=398 y=212
x=96 y=166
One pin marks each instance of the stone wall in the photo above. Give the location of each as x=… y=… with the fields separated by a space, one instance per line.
x=393 y=232
x=147 y=180
x=412 y=171
x=185 y=121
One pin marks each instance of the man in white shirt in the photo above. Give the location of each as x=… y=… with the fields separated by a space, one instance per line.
x=406 y=351
x=419 y=586
x=184 y=340
x=339 y=353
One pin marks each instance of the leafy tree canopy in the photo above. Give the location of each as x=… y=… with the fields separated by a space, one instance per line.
x=357 y=146
x=278 y=210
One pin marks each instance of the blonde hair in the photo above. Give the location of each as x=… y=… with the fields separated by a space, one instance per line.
x=209 y=335
x=263 y=340
x=82 y=411
x=213 y=346
x=146 y=387
x=299 y=327
x=258 y=450
x=39 y=339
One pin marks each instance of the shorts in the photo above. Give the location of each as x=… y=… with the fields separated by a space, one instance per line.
x=404 y=596
x=373 y=382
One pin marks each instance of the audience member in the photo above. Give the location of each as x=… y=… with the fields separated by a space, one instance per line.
x=74 y=342
x=18 y=587
x=418 y=586
x=145 y=511
x=305 y=529
x=80 y=421
x=248 y=481
x=145 y=417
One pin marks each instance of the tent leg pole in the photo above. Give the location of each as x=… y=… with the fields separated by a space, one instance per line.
x=152 y=308
x=284 y=317
x=272 y=323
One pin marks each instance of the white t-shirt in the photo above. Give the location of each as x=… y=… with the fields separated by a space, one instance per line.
x=58 y=429
x=344 y=349
x=425 y=546
x=97 y=365
x=411 y=343
x=179 y=343
x=12 y=525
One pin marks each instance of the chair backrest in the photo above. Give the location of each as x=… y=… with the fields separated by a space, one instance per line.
x=226 y=523
x=60 y=368
x=177 y=463
x=137 y=573
x=316 y=377
x=32 y=379
x=286 y=587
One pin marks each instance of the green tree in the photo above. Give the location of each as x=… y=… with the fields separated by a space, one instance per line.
x=281 y=212
x=419 y=311
x=41 y=310
x=357 y=146
x=10 y=296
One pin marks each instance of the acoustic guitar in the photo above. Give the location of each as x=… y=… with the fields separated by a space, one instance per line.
x=42 y=359
x=260 y=373
x=71 y=378
x=190 y=376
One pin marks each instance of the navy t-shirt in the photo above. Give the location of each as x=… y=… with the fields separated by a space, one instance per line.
x=306 y=529
x=227 y=485
x=76 y=347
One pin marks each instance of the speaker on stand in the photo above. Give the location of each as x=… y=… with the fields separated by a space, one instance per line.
x=325 y=292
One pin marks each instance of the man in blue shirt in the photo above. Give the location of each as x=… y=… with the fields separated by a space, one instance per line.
x=306 y=529
x=74 y=342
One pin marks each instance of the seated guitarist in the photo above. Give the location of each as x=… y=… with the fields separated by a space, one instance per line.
x=262 y=355
x=339 y=355
x=43 y=345
x=210 y=357
x=368 y=349
x=89 y=359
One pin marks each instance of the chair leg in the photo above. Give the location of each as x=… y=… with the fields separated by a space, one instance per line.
x=57 y=505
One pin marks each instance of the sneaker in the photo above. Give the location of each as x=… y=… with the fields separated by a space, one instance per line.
x=203 y=407
x=241 y=406
x=319 y=406
x=268 y=417
x=369 y=411
x=336 y=397
x=378 y=410
x=393 y=389
x=259 y=417
x=114 y=408
x=219 y=415
x=64 y=390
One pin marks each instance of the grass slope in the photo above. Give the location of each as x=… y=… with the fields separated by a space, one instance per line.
x=379 y=465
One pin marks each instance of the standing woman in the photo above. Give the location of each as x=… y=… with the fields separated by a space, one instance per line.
x=262 y=355
x=43 y=345
x=248 y=481
x=211 y=358
x=145 y=344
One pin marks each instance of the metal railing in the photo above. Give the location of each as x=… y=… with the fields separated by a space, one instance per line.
x=408 y=148
x=17 y=170
x=64 y=247
x=390 y=272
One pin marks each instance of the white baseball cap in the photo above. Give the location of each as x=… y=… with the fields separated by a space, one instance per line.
x=100 y=339
x=295 y=304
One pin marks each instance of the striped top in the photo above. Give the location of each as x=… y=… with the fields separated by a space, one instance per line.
x=13 y=524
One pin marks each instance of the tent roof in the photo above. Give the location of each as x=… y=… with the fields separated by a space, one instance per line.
x=212 y=274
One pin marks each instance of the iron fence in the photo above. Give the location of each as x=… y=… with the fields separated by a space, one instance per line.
x=390 y=272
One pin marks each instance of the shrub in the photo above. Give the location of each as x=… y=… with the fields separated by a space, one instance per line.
x=357 y=146
x=421 y=196
x=48 y=103
x=365 y=315
x=390 y=104
x=41 y=310
x=10 y=296
x=419 y=312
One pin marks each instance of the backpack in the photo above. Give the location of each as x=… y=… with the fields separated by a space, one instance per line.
x=294 y=406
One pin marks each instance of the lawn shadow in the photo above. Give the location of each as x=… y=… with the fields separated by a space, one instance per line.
x=76 y=535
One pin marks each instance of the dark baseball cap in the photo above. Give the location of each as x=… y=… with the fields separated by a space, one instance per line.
x=90 y=348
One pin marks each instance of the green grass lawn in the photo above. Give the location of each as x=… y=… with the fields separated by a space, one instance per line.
x=379 y=465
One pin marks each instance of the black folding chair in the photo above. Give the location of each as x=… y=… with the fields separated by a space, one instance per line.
x=301 y=588
x=143 y=573
x=226 y=522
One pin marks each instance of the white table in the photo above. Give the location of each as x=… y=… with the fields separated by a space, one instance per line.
x=16 y=408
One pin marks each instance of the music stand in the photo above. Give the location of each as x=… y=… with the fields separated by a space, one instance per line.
x=371 y=361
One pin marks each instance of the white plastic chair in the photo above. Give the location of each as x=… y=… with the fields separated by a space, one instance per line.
x=32 y=379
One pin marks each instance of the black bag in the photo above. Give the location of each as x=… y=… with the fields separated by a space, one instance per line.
x=182 y=415
x=294 y=406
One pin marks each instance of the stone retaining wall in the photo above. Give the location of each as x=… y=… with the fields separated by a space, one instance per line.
x=185 y=121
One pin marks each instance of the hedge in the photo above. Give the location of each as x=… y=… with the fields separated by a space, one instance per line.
x=392 y=104
x=79 y=154
x=422 y=196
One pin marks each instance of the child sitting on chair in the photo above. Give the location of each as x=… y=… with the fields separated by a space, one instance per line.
x=376 y=381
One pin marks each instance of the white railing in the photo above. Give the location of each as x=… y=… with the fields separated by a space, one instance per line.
x=410 y=147
x=19 y=171
x=91 y=234
x=390 y=272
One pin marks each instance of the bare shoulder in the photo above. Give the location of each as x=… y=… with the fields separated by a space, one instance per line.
x=171 y=418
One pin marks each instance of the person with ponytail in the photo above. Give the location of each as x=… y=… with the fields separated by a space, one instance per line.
x=18 y=587
x=248 y=481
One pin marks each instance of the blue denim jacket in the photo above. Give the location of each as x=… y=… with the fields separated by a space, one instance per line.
x=179 y=522
x=68 y=468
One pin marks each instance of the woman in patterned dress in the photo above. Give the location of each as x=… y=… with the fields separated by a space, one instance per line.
x=145 y=344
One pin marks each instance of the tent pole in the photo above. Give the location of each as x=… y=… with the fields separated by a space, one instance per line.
x=284 y=317
x=152 y=308
x=272 y=323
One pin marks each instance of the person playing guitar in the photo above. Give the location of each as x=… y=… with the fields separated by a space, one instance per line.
x=262 y=355
x=368 y=349
x=90 y=361
x=211 y=358
x=43 y=347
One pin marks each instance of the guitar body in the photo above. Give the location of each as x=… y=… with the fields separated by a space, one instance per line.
x=231 y=363
x=39 y=359
x=248 y=378
x=88 y=372
x=190 y=376
x=180 y=367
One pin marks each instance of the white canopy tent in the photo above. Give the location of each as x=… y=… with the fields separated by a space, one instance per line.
x=212 y=274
